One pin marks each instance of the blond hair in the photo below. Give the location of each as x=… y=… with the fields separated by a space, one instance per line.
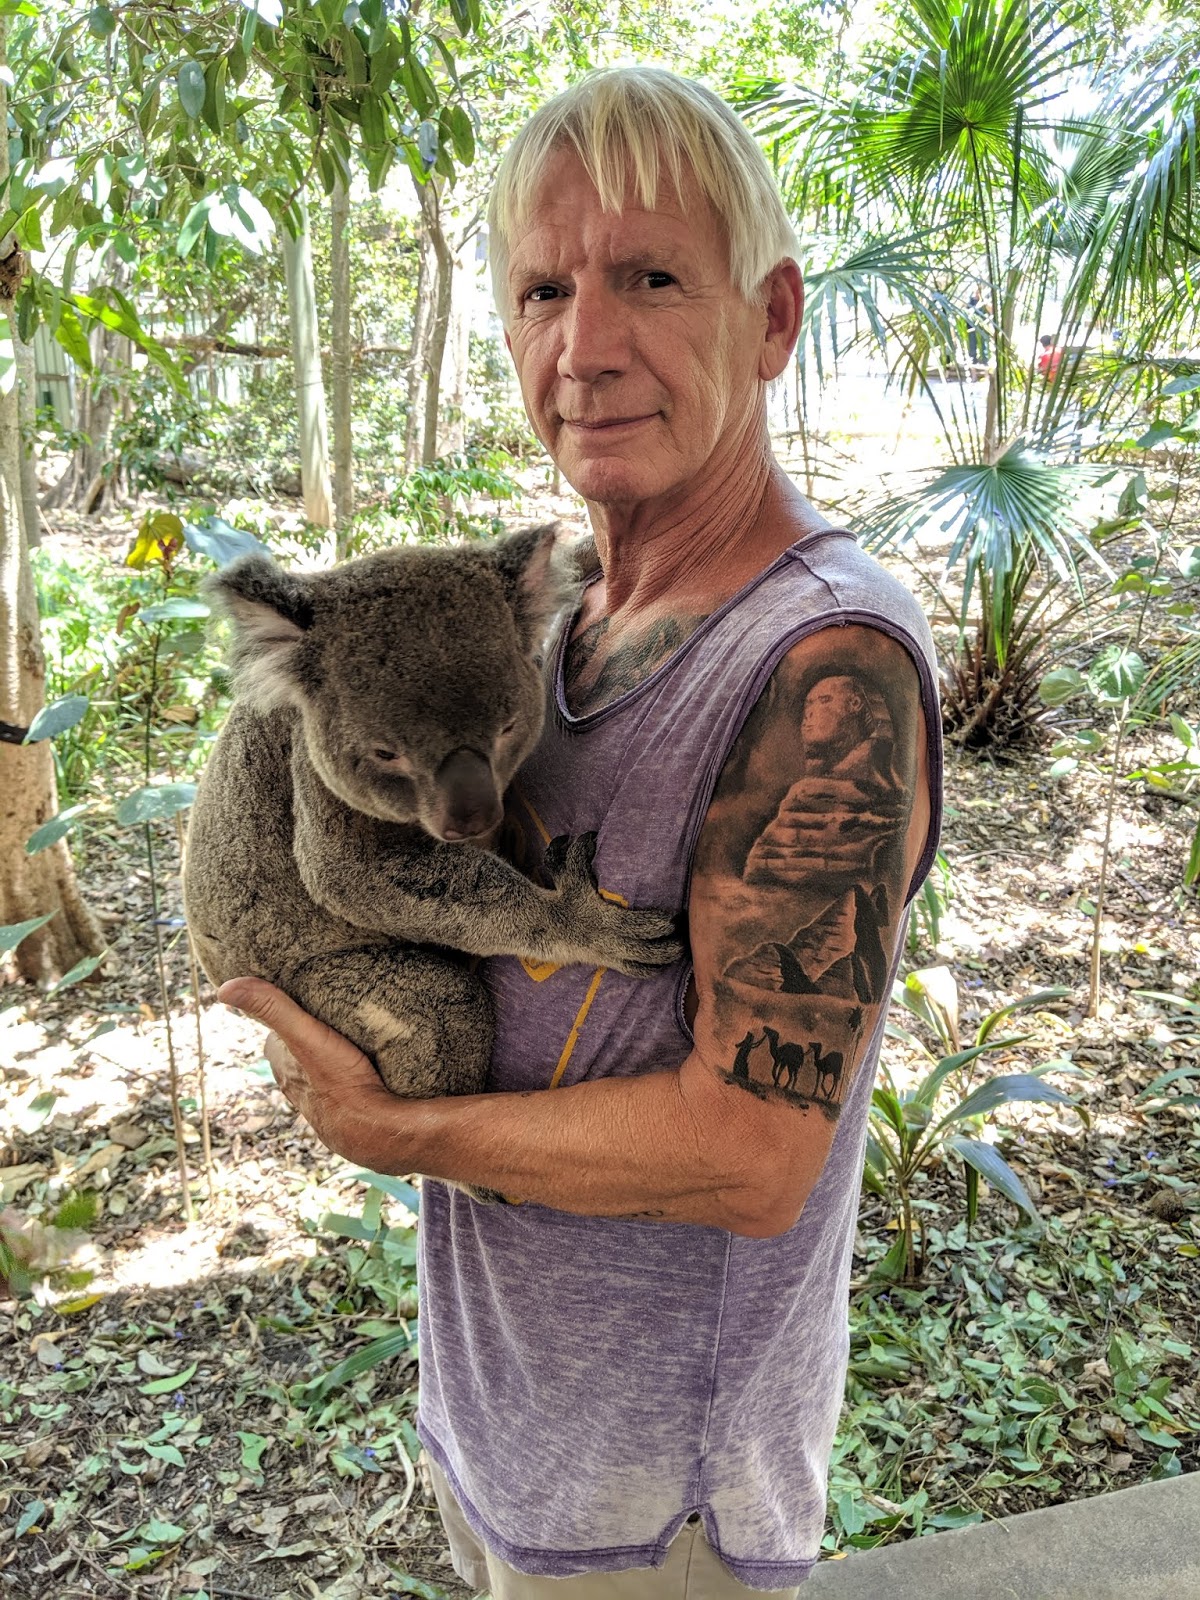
x=630 y=123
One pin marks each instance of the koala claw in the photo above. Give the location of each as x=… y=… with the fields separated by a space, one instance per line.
x=570 y=857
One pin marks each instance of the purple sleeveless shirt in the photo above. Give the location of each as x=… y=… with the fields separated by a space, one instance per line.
x=587 y=1384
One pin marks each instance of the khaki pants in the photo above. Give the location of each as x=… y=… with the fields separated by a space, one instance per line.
x=692 y=1570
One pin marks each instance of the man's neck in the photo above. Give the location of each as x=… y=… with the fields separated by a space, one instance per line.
x=694 y=553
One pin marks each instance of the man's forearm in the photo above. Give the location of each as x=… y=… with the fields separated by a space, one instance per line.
x=616 y=1147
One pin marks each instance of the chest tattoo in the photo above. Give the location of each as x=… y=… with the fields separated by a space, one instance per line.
x=597 y=670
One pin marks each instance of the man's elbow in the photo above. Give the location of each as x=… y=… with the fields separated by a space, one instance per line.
x=763 y=1211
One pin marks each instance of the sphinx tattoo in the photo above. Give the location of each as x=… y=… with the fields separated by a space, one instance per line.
x=805 y=848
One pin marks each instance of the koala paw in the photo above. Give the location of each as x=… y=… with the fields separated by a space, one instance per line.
x=598 y=932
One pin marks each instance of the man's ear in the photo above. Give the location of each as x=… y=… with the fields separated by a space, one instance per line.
x=784 y=288
x=271 y=611
x=538 y=580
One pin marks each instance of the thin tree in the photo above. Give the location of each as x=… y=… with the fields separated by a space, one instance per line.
x=30 y=886
x=310 y=385
x=343 y=437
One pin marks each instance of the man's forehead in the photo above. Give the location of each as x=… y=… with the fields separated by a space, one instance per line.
x=565 y=209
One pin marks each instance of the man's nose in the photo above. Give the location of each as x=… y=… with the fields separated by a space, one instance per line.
x=595 y=336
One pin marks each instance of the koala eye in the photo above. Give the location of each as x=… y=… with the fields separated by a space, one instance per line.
x=508 y=728
x=384 y=755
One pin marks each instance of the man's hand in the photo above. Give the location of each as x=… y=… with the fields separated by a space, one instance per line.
x=327 y=1079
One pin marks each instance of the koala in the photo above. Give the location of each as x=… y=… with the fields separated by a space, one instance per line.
x=338 y=844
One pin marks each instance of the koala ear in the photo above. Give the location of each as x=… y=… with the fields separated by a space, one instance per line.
x=539 y=579
x=271 y=611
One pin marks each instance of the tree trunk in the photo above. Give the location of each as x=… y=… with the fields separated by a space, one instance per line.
x=343 y=437
x=431 y=211
x=310 y=385
x=91 y=482
x=31 y=513
x=30 y=886
x=452 y=433
x=419 y=355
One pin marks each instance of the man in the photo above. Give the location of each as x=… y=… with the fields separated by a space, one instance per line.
x=1050 y=359
x=630 y=1379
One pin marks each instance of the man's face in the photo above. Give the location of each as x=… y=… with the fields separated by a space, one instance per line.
x=832 y=709
x=638 y=359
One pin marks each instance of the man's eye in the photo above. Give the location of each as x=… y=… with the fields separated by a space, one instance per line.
x=659 y=280
x=541 y=292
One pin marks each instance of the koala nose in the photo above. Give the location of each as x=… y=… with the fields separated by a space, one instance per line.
x=470 y=804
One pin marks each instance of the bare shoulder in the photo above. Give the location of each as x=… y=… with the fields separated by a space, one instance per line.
x=799 y=886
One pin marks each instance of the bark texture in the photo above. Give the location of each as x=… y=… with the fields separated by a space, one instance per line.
x=30 y=886
x=431 y=210
x=310 y=385
x=343 y=435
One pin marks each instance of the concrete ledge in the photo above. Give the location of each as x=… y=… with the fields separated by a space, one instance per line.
x=1136 y=1544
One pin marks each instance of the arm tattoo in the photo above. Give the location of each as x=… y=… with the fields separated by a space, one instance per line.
x=596 y=674
x=800 y=872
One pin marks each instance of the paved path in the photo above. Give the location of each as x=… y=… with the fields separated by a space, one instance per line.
x=1137 y=1544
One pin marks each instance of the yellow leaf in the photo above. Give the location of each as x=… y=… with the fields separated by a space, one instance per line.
x=160 y=537
x=68 y=1308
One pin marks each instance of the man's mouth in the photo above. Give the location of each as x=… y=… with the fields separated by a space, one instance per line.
x=607 y=424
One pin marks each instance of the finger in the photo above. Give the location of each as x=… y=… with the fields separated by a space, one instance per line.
x=303 y=1034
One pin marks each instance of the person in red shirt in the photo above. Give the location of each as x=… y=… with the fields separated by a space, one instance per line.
x=1050 y=359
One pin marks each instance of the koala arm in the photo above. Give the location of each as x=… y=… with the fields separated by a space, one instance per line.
x=399 y=881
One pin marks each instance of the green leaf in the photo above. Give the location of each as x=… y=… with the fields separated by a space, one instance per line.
x=101 y=22
x=168 y=1385
x=994 y=1168
x=269 y=12
x=154 y=802
x=69 y=333
x=1008 y=1089
x=11 y=936
x=1185 y=385
x=159 y=1532
x=236 y=214
x=30 y=1515
x=81 y=969
x=405 y=1583
x=1116 y=674
x=192 y=88
x=220 y=542
x=193 y=226
x=163 y=1452
x=177 y=606
x=1059 y=686
x=1188 y=562
x=253 y=1445
x=371 y=1355
x=57 y=717
x=1063 y=766
x=1157 y=433
x=396 y=1187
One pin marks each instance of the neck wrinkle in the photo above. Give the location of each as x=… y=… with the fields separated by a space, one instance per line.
x=690 y=548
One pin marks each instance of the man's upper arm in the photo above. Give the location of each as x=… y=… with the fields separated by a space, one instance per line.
x=816 y=826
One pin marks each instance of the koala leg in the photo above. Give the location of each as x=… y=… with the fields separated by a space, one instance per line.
x=424 y=1020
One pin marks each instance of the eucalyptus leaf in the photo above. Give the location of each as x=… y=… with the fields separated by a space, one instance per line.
x=177 y=606
x=57 y=828
x=220 y=541
x=191 y=87
x=11 y=936
x=154 y=802
x=1184 y=385
x=396 y=1187
x=81 y=969
x=57 y=717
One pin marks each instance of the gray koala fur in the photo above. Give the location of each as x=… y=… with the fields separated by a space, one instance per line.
x=337 y=845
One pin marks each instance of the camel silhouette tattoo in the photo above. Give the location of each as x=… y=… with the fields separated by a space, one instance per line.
x=788 y=1059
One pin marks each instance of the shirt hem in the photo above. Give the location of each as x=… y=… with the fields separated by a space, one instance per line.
x=610 y=1558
